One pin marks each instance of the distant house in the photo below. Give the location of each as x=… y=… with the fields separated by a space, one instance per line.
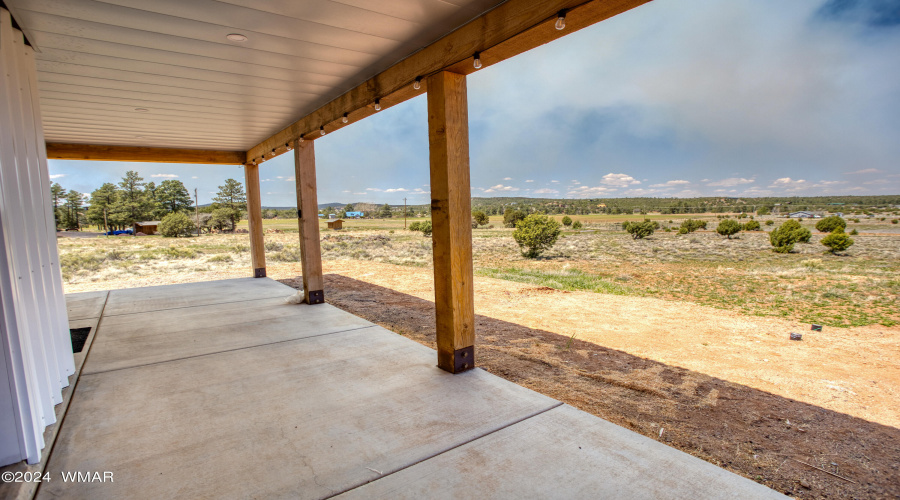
x=805 y=214
x=322 y=215
x=336 y=224
x=146 y=227
x=355 y=215
x=332 y=216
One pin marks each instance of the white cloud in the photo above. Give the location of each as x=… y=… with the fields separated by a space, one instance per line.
x=619 y=180
x=828 y=184
x=290 y=179
x=373 y=189
x=789 y=185
x=395 y=190
x=590 y=192
x=545 y=191
x=674 y=183
x=730 y=182
x=507 y=178
x=167 y=176
x=194 y=177
x=866 y=171
x=57 y=176
x=501 y=188
x=555 y=182
x=530 y=180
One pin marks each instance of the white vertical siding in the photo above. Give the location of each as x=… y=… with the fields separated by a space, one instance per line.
x=34 y=336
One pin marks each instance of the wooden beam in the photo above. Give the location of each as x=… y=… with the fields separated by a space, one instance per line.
x=60 y=151
x=451 y=215
x=308 y=217
x=511 y=28
x=254 y=220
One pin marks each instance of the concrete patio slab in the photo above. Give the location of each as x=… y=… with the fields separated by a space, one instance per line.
x=156 y=298
x=305 y=418
x=85 y=305
x=129 y=340
x=564 y=453
x=214 y=391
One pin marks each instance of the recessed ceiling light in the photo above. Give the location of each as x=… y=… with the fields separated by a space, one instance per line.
x=236 y=37
x=141 y=110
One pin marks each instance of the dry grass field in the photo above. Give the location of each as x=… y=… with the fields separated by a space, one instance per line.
x=681 y=338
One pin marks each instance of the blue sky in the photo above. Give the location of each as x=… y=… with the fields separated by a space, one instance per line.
x=674 y=98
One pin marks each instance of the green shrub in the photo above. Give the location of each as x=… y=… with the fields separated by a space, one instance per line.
x=291 y=253
x=175 y=224
x=640 y=230
x=829 y=224
x=179 y=253
x=763 y=211
x=691 y=225
x=894 y=221
x=576 y=225
x=838 y=241
x=426 y=228
x=854 y=232
x=511 y=217
x=752 y=226
x=415 y=226
x=219 y=258
x=480 y=218
x=567 y=221
x=536 y=233
x=770 y=222
x=729 y=227
x=785 y=236
x=274 y=246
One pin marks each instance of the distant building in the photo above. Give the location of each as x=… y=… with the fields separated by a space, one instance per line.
x=805 y=214
x=355 y=215
x=146 y=227
x=332 y=216
x=336 y=224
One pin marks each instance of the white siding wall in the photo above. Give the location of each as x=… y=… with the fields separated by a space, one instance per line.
x=34 y=337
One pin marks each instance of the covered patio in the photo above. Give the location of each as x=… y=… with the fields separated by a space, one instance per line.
x=223 y=390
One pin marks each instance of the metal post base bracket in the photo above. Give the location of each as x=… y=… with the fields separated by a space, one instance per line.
x=458 y=361
x=259 y=273
x=316 y=297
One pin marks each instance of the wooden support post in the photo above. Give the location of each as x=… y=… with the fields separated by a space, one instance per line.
x=254 y=220
x=451 y=214
x=308 y=216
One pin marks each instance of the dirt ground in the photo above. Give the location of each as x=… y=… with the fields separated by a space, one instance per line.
x=730 y=389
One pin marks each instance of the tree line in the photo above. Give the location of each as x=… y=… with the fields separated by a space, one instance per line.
x=118 y=206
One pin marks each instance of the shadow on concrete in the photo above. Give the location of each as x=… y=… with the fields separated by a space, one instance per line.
x=757 y=434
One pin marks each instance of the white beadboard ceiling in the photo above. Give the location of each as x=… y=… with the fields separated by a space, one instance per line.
x=99 y=61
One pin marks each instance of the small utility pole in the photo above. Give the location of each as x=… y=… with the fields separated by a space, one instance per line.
x=197 y=211
x=404 y=213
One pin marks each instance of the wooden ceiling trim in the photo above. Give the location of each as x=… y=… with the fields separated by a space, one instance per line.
x=58 y=151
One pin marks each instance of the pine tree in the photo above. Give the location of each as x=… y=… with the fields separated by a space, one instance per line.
x=132 y=205
x=232 y=197
x=173 y=197
x=73 y=208
x=102 y=201
x=57 y=193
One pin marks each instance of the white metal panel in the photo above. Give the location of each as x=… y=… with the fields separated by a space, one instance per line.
x=56 y=301
x=36 y=348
